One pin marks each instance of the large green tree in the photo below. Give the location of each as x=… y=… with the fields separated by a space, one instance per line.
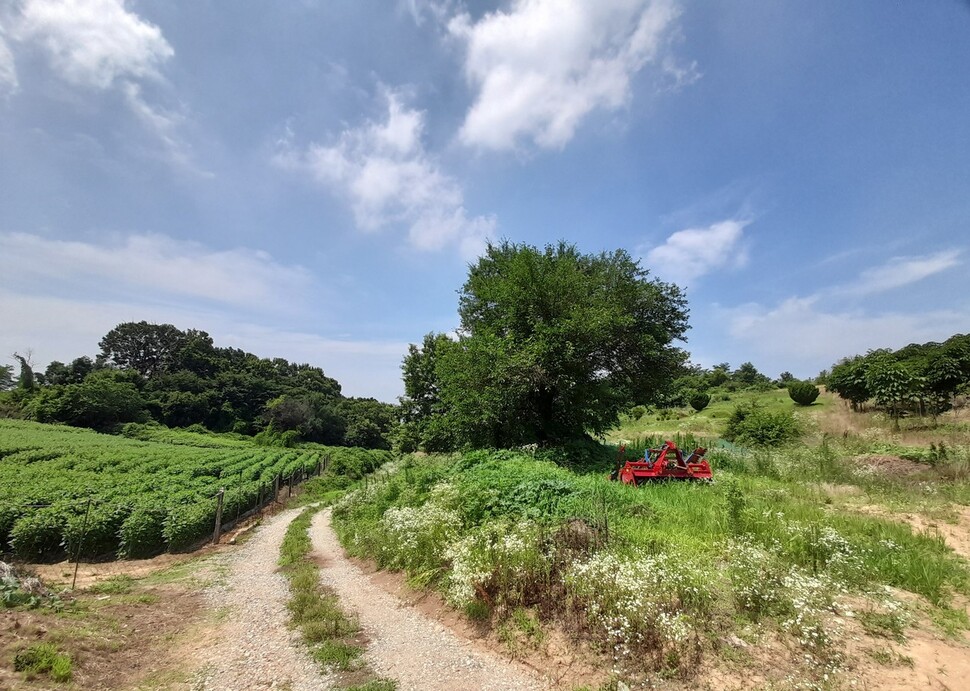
x=149 y=349
x=554 y=343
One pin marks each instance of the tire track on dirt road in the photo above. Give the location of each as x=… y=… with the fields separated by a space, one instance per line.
x=255 y=648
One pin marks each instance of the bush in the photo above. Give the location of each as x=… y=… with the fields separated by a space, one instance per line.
x=637 y=412
x=758 y=427
x=802 y=392
x=94 y=533
x=699 y=401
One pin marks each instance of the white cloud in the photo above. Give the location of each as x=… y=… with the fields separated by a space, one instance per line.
x=58 y=328
x=8 y=68
x=800 y=334
x=902 y=271
x=544 y=65
x=383 y=169
x=156 y=265
x=688 y=254
x=100 y=45
x=94 y=43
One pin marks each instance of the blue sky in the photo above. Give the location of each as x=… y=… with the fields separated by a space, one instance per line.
x=310 y=179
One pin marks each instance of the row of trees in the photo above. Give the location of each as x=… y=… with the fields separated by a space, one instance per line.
x=180 y=378
x=920 y=378
x=553 y=344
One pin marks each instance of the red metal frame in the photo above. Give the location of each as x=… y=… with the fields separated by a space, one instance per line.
x=665 y=463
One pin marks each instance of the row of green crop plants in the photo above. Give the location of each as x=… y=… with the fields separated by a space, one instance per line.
x=76 y=493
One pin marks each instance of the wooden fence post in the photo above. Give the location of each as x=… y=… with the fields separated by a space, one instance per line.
x=80 y=543
x=217 y=533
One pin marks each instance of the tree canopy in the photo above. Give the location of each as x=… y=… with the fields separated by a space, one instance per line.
x=553 y=344
x=920 y=377
x=181 y=378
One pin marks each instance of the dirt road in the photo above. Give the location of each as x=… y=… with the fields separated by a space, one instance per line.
x=404 y=644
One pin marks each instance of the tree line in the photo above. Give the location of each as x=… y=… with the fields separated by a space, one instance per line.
x=920 y=378
x=157 y=372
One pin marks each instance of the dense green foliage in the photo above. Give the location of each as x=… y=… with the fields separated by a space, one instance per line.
x=553 y=344
x=180 y=378
x=699 y=400
x=146 y=494
x=753 y=425
x=918 y=378
x=803 y=392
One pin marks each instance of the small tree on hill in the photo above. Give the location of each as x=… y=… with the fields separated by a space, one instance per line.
x=892 y=386
x=6 y=377
x=700 y=400
x=802 y=392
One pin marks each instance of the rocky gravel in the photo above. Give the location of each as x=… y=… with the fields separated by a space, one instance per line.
x=405 y=645
x=255 y=647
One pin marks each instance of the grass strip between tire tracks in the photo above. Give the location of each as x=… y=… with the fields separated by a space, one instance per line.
x=332 y=636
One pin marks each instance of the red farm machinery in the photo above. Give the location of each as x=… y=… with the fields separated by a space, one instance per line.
x=665 y=463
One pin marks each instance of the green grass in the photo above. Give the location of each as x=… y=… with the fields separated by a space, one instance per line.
x=43 y=658
x=327 y=630
x=115 y=585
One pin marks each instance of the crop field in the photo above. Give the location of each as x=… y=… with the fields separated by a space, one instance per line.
x=145 y=496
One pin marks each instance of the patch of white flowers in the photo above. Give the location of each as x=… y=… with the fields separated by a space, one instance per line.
x=496 y=554
x=765 y=586
x=640 y=600
x=418 y=536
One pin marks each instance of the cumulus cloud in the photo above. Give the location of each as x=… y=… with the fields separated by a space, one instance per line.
x=102 y=46
x=94 y=43
x=902 y=271
x=8 y=69
x=155 y=265
x=691 y=253
x=388 y=177
x=542 y=66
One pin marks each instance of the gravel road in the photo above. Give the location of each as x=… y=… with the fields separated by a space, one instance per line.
x=256 y=649
x=419 y=653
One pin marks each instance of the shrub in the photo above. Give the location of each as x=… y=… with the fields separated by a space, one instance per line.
x=802 y=392
x=758 y=427
x=94 y=533
x=699 y=401
x=645 y=607
x=637 y=412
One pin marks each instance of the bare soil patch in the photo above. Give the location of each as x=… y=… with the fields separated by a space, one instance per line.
x=115 y=641
x=891 y=465
x=924 y=661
